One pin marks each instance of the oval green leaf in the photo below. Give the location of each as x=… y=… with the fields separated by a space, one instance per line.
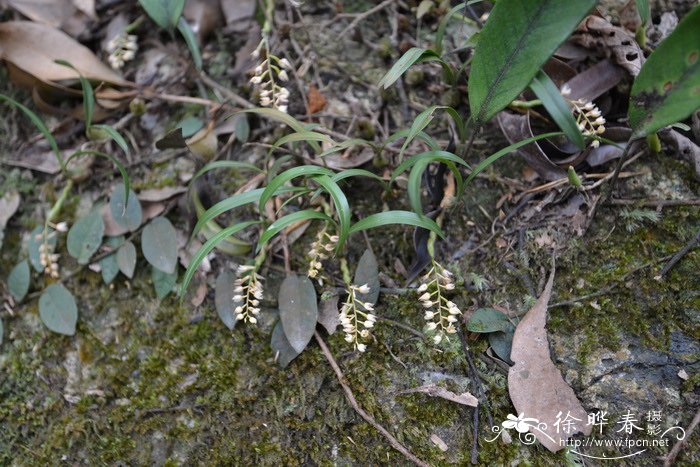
x=223 y=298
x=516 y=41
x=163 y=282
x=108 y=264
x=125 y=213
x=18 y=281
x=126 y=259
x=58 y=310
x=298 y=310
x=165 y=13
x=367 y=272
x=282 y=350
x=85 y=237
x=159 y=244
x=485 y=320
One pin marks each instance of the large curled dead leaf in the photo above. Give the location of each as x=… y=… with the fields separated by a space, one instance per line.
x=613 y=42
x=35 y=47
x=517 y=128
x=536 y=386
x=69 y=15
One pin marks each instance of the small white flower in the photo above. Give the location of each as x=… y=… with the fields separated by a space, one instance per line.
x=349 y=338
x=368 y=324
x=363 y=289
x=361 y=347
x=429 y=315
x=423 y=288
x=62 y=227
x=432 y=326
x=424 y=297
x=283 y=76
x=437 y=338
x=427 y=303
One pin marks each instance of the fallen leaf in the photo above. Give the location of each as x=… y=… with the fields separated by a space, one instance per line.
x=60 y=14
x=34 y=48
x=350 y=160
x=629 y=16
x=683 y=147
x=595 y=81
x=155 y=195
x=438 y=391
x=204 y=16
x=317 y=101
x=437 y=441
x=200 y=294
x=238 y=11
x=517 y=128
x=613 y=42
x=536 y=386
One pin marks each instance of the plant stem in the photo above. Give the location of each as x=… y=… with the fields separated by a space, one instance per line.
x=58 y=205
x=623 y=158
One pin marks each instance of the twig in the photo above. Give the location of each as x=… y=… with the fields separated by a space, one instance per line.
x=353 y=402
x=677 y=257
x=655 y=203
x=362 y=16
x=621 y=162
x=671 y=456
x=226 y=91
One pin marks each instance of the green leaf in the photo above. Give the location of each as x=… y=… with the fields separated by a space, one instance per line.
x=485 y=320
x=230 y=245
x=58 y=310
x=126 y=214
x=501 y=342
x=2 y=331
x=348 y=173
x=223 y=298
x=165 y=13
x=40 y=125
x=298 y=310
x=190 y=125
x=504 y=152
x=422 y=120
x=667 y=88
x=88 y=94
x=207 y=248
x=429 y=140
x=432 y=156
x=18 y=281
x=281 y=117
x=342 y=208
x=36 y=238
x=114 y=134
x=557 y=107
x=163 y=282
x=159 y=245
x=286 y=176
x=396 y=217
x=114 y=160
x=108 y=264
x=289 y=219
x=407 y=60
x=282 y=350
x=235 y=201
x=416 y=176
x=516 y=41
x=191 y=40
x=126 y=259
x=367 y=272
x=85 y=237
x=302 y=136
x=644 y=11
x=440 y=34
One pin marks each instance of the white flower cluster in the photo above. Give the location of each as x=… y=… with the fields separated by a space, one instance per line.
x=320 y=249
x=266 y=75
x=588 y=117
x=440 y=313
x=48 y=259
x=354 y=314
x=249 y=291
x=121 y=48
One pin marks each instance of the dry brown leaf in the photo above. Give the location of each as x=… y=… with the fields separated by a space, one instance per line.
x=71 y=16
x=683 y=147
x=155 y=195
x=34 y=48
x=595 y=81
x=317 y=101
x=613 y=42
x=536 y=386
x=438 y=391
x=204 y=144
x=238 y=11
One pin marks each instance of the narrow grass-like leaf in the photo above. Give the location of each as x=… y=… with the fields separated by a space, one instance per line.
x=88 y=94
x=644 y=11
x=415 y=179
x=286 y=176
x=504 y=152
x=40 y=125
x=408 y=59
x=191 y=40
x=440 y=34
x=114 y=134
x=342 y=208
x=667 y=88
x=433 y=156
x=346 y=144
x=421 y=121
x=207 y=248
x=233 y=202
x=515 y=42
x=557 y=107
x=281 y=117
x=348 y=173
x=429 y=140
x=396 y=217
x=286 y=221
x=114 y=160
x=307 y=136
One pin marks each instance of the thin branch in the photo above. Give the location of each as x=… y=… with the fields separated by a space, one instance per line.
x=677 y=257
x=353 y=402
x=671 y=456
